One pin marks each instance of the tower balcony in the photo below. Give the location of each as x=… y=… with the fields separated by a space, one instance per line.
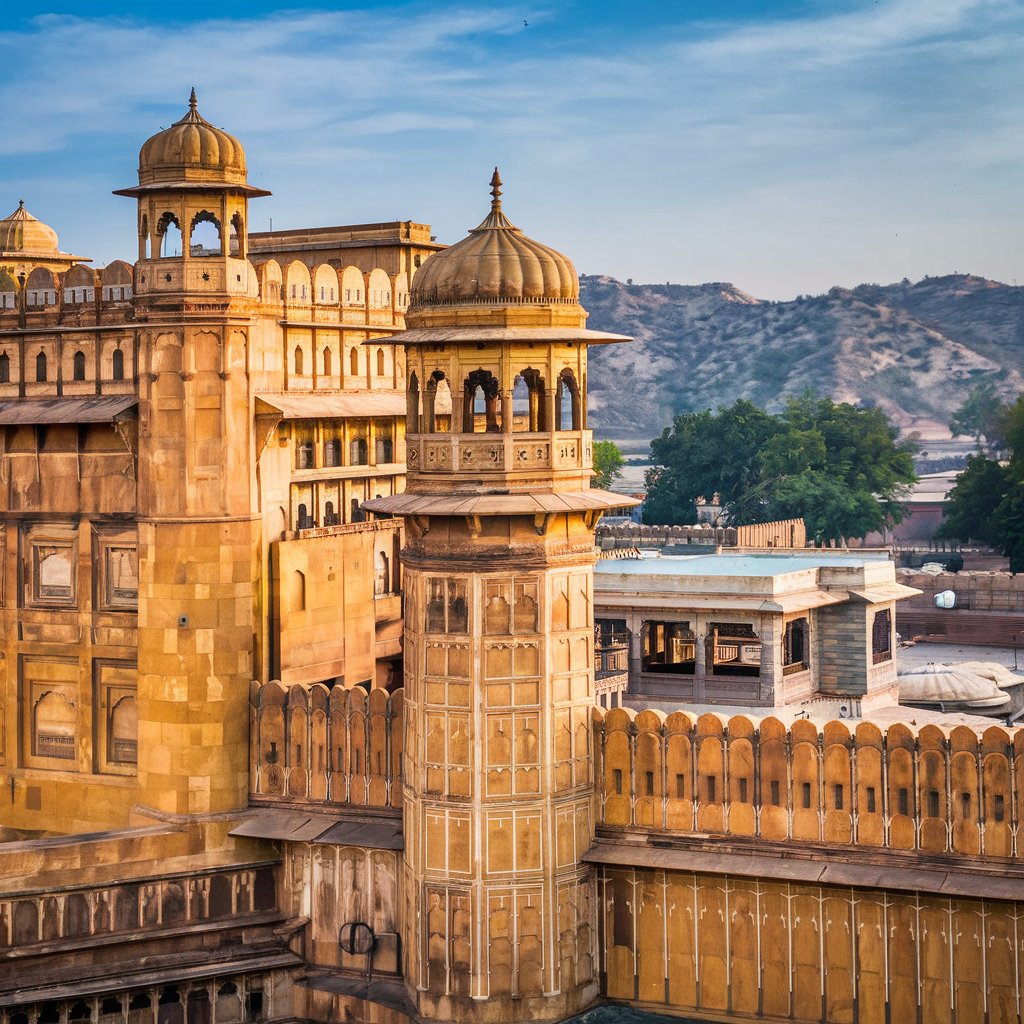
x=211 y=275
x=496 y=461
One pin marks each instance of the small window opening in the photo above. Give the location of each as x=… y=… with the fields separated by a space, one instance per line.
x=807 y=794
x=871 y=799
x=965 y=805
x=118 y=364
x=904 y=800
x=78 y=369
x=650 y=783
x=775 y=792
x=711 y=788
x=618 y=781
x=743 y=791
x=680 y=787
x=837 y=795
x=999 y=810
x=933 y=803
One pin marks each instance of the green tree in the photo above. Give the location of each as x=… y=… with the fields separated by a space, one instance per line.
x=987 y=501
x=981 y=415
x=705 y=455
x=841 y=468
x=972 y=502
x=608 y=463
x=1009 y=525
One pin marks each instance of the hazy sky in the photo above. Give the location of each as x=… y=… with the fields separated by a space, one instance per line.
x=785 y=146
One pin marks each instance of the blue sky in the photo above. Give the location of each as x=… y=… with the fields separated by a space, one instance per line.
x=785 y=147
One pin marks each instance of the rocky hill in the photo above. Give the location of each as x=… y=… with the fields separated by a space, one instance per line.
x=912 y=349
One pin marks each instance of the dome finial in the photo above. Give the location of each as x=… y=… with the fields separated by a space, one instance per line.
x=192 y=102
x=496 y=190
x=21 y=204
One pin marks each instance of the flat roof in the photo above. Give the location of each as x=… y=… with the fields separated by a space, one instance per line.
x=725 y=564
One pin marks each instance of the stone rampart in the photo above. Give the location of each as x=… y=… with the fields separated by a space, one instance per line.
x=339 y=746
x=949 y=792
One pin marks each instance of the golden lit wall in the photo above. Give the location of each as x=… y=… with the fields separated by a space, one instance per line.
x=928 y=789
x=779 y=951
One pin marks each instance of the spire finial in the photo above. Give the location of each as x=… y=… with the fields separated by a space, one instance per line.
x=496 y=190
x=21 y=204
x=192 y=100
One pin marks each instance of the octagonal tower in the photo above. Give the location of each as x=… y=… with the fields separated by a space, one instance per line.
x=500 y=920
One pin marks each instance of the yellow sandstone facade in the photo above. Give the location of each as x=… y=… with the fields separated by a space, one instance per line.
x=240 y=781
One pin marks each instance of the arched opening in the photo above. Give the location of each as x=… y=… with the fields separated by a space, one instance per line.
x=78 y=368
x=169 y=231
x=327 y=362
x=332 y=452
x=358 y=454
x=5 y=368
x=380 y=362
x=54 y=723
x=297 y=582
x=237 y=245
x=382 y=580
x=358 y=515
x=412 y=407
x=353 y=361
x=436 y=404
x=304 y=520
x=204 y=238
x=298 y=361
x=384 y=449
x=330 y=516
x=122 y=737
x=481 y=404
x=118 y=364
x=528 y=407
x=41 y=366
x=567 y=402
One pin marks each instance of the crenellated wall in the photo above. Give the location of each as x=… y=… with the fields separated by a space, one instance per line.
x=937 y=791
x=338 y=746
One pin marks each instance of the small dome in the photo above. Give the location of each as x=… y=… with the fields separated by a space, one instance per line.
x=192 y=150
x=21 y=232
x=495 y=264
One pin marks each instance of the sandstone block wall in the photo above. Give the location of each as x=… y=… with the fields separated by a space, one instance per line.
x=931 y=790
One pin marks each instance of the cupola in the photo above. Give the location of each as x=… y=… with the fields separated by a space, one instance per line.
x=496 y=276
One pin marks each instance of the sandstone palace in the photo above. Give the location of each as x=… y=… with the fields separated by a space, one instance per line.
x=297 y=681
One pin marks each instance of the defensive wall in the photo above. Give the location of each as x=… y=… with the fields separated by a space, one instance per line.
x=989 y=608
x=783 y=533
x=835 y=872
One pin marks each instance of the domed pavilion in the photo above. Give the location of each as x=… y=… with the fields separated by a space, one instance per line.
x=27 y=243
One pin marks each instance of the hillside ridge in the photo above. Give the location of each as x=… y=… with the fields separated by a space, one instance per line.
x=913 y=349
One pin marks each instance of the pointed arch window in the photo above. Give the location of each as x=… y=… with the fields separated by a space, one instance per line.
x=298 y=361
x=118 y=364
x=327 y=362
x=41 y=366
x=78 y=369
x=353 y=361
x=380 y=362
x=5 y=368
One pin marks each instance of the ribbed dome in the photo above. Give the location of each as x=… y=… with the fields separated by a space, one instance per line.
x=21 y=232
x=495 y=263
x=192 y=150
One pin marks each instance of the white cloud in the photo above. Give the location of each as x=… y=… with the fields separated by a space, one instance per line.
x=350 y=114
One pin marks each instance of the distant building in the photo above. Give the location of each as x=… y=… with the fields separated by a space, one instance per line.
x=755 y=629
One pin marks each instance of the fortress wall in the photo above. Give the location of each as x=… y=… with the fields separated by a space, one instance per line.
x=975 y=591
x=932 y=790
x=783 y=533
x=774 y=950
x=335 y=746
